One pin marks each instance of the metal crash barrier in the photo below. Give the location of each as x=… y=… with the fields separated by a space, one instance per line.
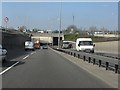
x=101 y=61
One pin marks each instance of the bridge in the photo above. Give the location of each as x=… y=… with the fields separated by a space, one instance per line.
x=51 y=38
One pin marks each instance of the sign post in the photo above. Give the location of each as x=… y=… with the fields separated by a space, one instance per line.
x=6 y=19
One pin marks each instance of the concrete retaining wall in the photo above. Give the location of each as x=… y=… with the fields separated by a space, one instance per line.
x=106 y=35
x=12 y=41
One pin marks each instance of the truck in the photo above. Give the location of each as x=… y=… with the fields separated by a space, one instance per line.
x=85 y=44
x=37 y=44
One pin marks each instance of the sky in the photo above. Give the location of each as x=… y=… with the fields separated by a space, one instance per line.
x=46 y=15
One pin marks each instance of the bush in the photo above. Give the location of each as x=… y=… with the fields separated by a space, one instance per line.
x=73 y=37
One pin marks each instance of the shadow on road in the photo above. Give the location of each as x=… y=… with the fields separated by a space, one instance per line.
x=10 y=63
x=14 y=53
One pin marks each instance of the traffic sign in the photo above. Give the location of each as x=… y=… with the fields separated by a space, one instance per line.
x=6 y=19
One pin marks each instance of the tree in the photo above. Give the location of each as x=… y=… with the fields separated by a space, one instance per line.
x=35 y=30
x=22 y=29
x=93 y=29
x=71 y=29
x=28 y=30
x=104 y=30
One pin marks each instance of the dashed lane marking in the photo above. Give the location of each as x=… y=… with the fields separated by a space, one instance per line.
x=26 y=57
x=33 y=53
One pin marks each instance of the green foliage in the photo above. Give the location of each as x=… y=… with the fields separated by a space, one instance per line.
x=22 y=28
x=73 y=37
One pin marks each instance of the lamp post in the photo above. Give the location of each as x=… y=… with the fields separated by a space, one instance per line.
x=60 y=25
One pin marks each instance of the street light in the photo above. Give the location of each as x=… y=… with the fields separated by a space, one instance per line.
x=60 y=25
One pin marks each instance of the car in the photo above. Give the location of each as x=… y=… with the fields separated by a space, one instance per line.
x=3 y=54
x=29 y=45
x=45 y=46
x=65 y=45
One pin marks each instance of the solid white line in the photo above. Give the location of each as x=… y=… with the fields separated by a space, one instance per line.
x=26 y=57
x=9 y=68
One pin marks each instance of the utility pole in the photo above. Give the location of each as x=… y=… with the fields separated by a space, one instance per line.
x=60 y=25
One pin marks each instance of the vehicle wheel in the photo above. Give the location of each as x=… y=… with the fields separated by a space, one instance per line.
x=92 y=51
x=4 y=60
x=33 y=49
x=25 y=49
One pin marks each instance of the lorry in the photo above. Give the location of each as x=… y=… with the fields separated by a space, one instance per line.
x=37 y=44
x=85 y=44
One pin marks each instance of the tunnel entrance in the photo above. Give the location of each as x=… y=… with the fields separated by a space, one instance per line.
x=55 y=40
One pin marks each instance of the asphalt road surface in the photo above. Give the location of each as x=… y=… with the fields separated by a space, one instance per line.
x=46 y=69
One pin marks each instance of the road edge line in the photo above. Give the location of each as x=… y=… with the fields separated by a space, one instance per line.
x=9 y=68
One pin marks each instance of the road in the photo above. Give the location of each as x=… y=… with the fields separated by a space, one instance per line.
x=47 y=69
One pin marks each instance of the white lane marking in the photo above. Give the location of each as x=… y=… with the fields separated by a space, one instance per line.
x=26 y=57
x=33 y=53
x=9 y=68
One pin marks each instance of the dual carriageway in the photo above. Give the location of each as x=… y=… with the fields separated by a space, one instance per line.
x=49 y=68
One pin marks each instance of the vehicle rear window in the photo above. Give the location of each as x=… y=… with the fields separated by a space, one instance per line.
x=86 y=43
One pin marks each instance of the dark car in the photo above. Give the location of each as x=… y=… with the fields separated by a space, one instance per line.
x=45 y=46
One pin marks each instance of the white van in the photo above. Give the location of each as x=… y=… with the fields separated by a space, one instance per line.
x=85 y=44
x=29 y=46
